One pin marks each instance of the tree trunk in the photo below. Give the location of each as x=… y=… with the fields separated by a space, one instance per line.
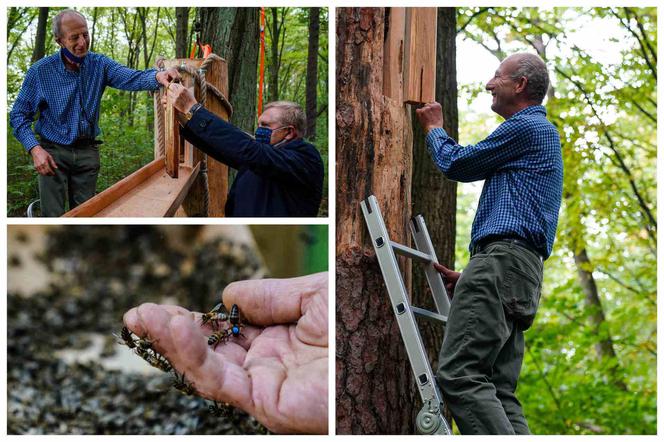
x=234 y=33
x=181 y=32
x=312 y=73
x=93 y=31
x=40 y=38
x=434 y=196
x=273 y=80
x=604 y=346
x=375 y=386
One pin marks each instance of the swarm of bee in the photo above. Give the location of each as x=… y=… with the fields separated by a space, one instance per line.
x=215 y=318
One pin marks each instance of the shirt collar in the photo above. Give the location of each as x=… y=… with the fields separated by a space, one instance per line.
x=61 y=63
x=530 y=110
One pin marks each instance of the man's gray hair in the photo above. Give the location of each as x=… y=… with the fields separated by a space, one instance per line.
x=291 y=115
x=534 y=69
x=57 y=20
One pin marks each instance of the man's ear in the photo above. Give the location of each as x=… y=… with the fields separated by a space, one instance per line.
x=57 y=40
x=521 y=85
x=292 y=134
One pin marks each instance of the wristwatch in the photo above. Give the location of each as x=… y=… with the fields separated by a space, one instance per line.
x=185 y=117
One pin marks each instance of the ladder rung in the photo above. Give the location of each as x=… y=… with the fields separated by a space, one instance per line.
x=426 y=314
x=410 y=253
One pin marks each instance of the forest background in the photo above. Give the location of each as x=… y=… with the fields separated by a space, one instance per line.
x=136 y=37
x=591 y=356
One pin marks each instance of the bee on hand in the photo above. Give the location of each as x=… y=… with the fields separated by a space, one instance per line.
x=215 y=316
x=126 y=338
x=182 y=385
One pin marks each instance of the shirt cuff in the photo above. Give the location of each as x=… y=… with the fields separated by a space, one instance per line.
x=154 y=84
x=29 y=141
x=437 y=133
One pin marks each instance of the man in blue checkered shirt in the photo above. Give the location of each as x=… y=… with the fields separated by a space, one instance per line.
x=496 y=297
x=65 y=89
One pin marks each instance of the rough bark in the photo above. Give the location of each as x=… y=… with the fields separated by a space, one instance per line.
x=276 y=27
x=312 y=73
x=181 y=32
x=434 y=196
x=234 y=33
x=40 y=38
x=375 y=387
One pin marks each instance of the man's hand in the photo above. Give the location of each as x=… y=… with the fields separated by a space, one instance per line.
x=167 y=76
x=181 y=97
x=43 y=161
x=277 y=372
x=450 y=278
x=430 y=116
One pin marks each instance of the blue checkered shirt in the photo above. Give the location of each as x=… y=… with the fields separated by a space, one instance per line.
x=68 y=102
x=521 y=163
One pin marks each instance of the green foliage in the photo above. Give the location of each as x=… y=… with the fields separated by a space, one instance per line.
x=605 y=110
x=126 y=117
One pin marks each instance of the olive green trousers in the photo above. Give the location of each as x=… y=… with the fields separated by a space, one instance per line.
x=75 y=179
x=495 y=301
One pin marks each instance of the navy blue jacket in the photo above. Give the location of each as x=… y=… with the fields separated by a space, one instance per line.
x=282 y=181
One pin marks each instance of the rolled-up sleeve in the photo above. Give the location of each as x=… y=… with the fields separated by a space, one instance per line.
x=475 y=162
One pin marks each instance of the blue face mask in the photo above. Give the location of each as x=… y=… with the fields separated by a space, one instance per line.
x=264 y=135
x=71 y=57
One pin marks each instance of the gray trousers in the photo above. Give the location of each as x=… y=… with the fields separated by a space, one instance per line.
x=495 y=300
x=75 y=179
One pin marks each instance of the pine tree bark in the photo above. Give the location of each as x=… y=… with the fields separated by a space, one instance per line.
x=375 y=387
x=312 y=73
x=40 y=38
x=181 y=32
x=434 y=196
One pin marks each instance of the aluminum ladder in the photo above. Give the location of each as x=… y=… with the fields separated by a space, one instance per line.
x=430 y=419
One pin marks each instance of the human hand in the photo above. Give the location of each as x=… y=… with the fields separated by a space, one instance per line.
x=167 y=76
x=277 y=372
x=181 y=97
x=450 y=278
x=430 y=116
x=43 y=161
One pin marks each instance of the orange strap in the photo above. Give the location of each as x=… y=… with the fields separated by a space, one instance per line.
x=261 y=78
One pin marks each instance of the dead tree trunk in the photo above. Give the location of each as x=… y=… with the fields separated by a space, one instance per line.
x=434 y=196
x=375 y=392
x=40 y=38
x=312 y=73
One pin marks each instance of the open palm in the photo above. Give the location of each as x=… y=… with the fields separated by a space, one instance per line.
x=276 y=372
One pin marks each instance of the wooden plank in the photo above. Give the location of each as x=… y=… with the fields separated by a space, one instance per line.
x=100 y=201
x=158 y=196
x=420 y=56
x=393 y=55
x=172 y=137
x=217 y=172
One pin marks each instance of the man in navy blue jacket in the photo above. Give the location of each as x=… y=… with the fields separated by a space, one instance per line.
x=279 y=174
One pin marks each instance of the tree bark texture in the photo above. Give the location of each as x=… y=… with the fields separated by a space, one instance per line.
x=40 y=38
x=276 y=28
x=434 y=196
x=181 y=32
x=233 y=34
x=312 y=73
x=375 y=387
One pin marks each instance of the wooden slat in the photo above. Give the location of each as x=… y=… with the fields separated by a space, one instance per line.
x=158 y=196
x=420 y=56
x=393 y=56
x=172 y=137
x=100 y=201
